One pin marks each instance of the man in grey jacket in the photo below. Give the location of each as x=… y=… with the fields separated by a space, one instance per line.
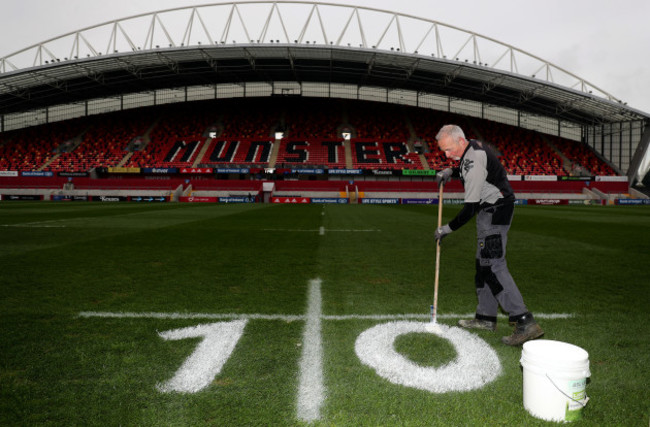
x=489 y=196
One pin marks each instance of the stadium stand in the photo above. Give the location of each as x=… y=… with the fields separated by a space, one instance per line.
x=374 y=120
x=311 y=152
x=32 y=148
x=256 y=120
x=127 y=184
x=237 y=153
x=175 y=139
x=180 y=136
x=585 y=161
x=521 y=151
x=383 y=154
x=313 y=119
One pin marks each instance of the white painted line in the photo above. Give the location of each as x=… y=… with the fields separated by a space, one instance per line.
x=207 y=360
x=37 y=224
x=287 y=229
x=29 y=225
x=311 y=390
x=355 y=231
x=322 y=230
x=294 y=317
x=547 y=316
x=218 y=316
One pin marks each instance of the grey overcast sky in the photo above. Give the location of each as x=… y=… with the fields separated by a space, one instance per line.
x=605 y=42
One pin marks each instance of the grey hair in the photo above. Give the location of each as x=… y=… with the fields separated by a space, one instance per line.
x=452 y=130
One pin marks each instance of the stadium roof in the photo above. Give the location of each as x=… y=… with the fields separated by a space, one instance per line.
x=298 y=42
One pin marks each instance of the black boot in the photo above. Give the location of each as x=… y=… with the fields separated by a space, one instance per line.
x=525 y=329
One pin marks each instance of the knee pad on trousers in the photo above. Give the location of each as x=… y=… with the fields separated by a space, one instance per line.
x=485 y=275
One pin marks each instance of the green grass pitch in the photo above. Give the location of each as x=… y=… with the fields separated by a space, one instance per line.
x=59 y=367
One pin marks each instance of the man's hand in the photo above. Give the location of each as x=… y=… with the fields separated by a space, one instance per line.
x=442 y=232
x=443 y=176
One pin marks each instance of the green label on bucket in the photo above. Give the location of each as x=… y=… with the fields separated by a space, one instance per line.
x=574 y=415
x=577 y=395
x=576 y=390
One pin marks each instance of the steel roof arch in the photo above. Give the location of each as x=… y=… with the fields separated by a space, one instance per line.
x=509 y=55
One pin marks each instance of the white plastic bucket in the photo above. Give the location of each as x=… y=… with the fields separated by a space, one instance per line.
x=555 y=377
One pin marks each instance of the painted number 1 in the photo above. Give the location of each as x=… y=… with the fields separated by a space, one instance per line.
x=205 y=363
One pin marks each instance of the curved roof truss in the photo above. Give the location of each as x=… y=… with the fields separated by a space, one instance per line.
x=293 y=22
x=300 y=41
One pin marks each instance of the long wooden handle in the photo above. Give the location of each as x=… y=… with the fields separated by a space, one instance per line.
x=437 y=272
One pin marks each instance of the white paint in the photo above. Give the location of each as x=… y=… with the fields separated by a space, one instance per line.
x=547 y=316
x=32 y=226
x=199 y=370
x=213 y=316
x=347 y=230
x=297 y=317
x=38 y=224
x=311 y=389
x=475 y=365
x=321 y=231
x=290 y=229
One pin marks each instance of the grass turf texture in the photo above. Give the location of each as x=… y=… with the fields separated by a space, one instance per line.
x=58 y=260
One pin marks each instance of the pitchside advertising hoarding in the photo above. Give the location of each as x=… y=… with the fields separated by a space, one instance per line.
x=160 y=171
x=315 y=200
x=418 y=172
x=345 y=171
x=208 y=199
x=632 y=201
x=291 y=200
x=327 y=200
x=196 y=171
x=379 y=201
x=548 y=201
x=37 y=173
x=149 y=199
x=62 y=198
x=20 y=197
x=140 y=199
x=420 y=201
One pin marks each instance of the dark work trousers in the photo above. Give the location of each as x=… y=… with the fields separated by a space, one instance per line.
x=494 y=284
